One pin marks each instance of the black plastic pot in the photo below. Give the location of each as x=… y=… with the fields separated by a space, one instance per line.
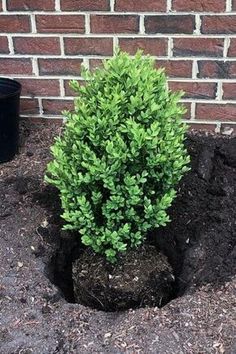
x=9 y=118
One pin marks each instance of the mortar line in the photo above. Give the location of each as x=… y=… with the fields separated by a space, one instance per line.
x=170 y=47
x=62 y=88
x=191 y=101
x=122 y=35
x=159 y=58
x=35 y=66
x=62 y=48
x=33 y=24
x=4 y=5
x=57 y=5
x=208 y=101
x=71 y=77
x=219 y=92
x=46 y=78
x=187 y=121
x=193 y=110
x=169 y=6
x=115 y=44
x=40 y=101
x=87 y=24
x=10 y=45
x=226 y=47
x=228 y=6
x=59 y=98
x=195 y=69
x=112 y=5
x=198 y=24
x=42 y=116
x=204 y=121
x=200 y=80
x=86 y=63
x=218 y=127
x=120 y=13
x=141 y=24
x=222 y=89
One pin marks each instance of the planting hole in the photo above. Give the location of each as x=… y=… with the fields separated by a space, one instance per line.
x=199 y=243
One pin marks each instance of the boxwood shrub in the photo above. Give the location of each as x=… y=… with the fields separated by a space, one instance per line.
x=120 y=155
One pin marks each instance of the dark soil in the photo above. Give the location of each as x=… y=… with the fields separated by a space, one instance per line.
x=35 y=316
x=141 y=277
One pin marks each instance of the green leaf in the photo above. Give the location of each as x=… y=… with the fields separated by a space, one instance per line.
x=120 y=155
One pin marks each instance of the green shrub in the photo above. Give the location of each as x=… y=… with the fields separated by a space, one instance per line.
x=120 y=155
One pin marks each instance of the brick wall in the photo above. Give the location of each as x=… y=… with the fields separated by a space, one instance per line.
x=44 y=43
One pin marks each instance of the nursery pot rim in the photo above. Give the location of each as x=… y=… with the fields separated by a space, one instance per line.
x=14 y=85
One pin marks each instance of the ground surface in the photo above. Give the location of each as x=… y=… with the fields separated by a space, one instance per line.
x=34 y=316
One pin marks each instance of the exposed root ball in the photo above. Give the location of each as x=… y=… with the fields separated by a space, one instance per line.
x=141 y=277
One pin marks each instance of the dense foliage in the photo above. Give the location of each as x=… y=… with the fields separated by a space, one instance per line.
x=120 y=155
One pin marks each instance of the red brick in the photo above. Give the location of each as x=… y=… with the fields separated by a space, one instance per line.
x=187 y=105
x=15 y=23
x=95 y=63
x=207 y=47
x=89 y=46
x=176 y=68
x=30 y=5
x=59 y=67
x=29 y=106
x=68 y=89
x=220 y=112
x=140 y=5
x=200 y=90
x=201 y=5
x=219 y=24
x=152 y=46
x=114 y=24
x=229 y=91
x=170 y=24
x=232 y=48
x=85 y=5
x=60 y=23
x=217 y=69
x=40 y=87
x=15 y=66
x=56 y=107
x=234 y=5
x=4 y=45
x=0 y=5
x=202 y=127
x=37 y=45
